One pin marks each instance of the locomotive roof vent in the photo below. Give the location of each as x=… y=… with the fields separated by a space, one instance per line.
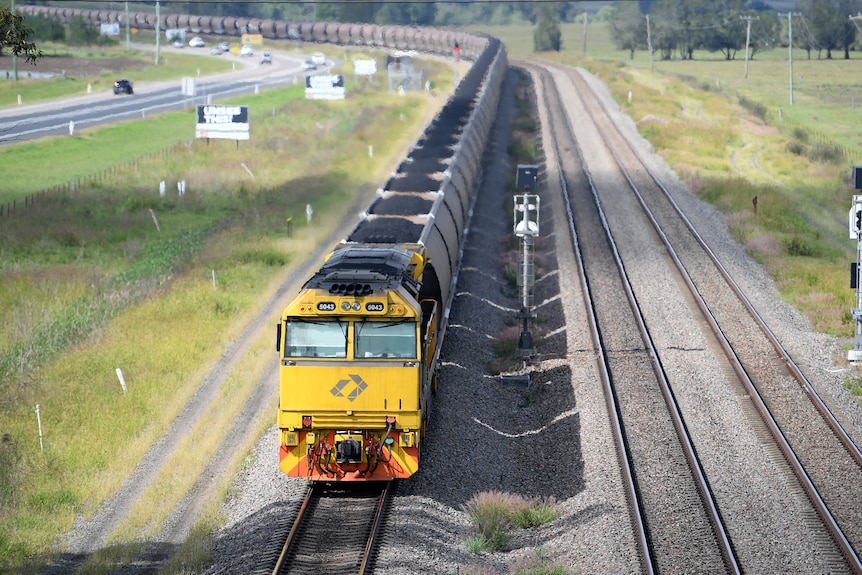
x=357 y=290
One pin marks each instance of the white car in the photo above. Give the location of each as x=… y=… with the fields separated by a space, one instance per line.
x=319 y=58
x=197 y=42
x=246 y=50
x=309 y=65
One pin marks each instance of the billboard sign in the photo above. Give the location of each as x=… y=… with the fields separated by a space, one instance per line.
x=222 y=122
x=365 y=67
x=324 y=87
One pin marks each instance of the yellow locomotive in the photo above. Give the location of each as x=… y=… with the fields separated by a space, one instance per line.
x=359 y=346
x=357 y=367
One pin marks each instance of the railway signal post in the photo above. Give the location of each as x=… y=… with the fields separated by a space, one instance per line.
x=526 y=216
x=855 y=222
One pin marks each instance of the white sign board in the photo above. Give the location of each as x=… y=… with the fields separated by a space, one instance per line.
x=110 y=29
x=222 y=122
x=365 y=67
x=324 y=87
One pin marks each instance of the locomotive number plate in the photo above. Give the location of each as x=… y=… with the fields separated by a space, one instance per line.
x=326 y=306
x=375 y=306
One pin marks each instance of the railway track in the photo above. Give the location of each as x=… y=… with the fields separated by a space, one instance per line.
x=336 y=530
x=695 y=506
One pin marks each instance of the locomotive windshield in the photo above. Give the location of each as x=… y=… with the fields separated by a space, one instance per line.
x=315 y=339
x=379 y=339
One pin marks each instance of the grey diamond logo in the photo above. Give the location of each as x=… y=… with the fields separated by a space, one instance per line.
x=357 y=387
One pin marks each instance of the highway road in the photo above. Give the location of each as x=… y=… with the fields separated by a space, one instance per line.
x=66 y=116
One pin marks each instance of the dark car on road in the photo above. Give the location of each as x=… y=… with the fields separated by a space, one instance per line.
x=123 y=87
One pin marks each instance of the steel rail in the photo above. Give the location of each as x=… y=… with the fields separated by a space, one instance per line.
x=636 y=510
x=784 y=445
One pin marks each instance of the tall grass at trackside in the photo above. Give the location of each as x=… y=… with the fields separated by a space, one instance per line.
x=495 y=514
x=732 y=139
x=147 y=302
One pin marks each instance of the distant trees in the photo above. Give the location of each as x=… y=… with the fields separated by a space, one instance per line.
x=826 y=26
x=679 y=27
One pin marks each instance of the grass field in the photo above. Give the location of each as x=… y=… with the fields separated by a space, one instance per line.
x=91 y=280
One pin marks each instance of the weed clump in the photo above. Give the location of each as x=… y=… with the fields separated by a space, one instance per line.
x=495 y=514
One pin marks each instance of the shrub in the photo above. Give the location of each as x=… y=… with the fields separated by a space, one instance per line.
x=827 y=152
x=494 y=513
x=796 y=148
x=754 y=108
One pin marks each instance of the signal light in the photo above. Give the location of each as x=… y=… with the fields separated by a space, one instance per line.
x=306 y=421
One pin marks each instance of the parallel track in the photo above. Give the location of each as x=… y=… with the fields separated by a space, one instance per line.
x=841 y=446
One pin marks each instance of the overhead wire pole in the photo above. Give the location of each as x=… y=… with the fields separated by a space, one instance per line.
x=748 y=20
x=790 y=16
x=14 y=56
x=649 y=43
x=158 y=31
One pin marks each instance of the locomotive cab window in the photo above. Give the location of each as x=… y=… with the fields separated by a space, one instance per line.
x=315 y=339
x=385 y=339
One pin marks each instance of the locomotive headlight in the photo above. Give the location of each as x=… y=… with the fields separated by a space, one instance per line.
x=356 y=306
x=345 y=305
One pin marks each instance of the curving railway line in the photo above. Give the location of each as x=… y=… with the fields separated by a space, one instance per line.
x=696 y=504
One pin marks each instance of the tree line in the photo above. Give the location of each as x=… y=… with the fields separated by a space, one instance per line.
x=669 y=28
x=676 y=28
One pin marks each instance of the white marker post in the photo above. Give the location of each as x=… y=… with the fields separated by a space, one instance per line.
x=39 y=421
x=122 y=380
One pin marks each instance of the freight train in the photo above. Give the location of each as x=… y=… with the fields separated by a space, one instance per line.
x=360 y=345
x=426 y=40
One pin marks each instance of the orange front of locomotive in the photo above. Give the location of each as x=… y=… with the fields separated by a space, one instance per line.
x=350 y=389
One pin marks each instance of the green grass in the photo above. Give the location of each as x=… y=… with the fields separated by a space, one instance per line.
x=495 y=514
x=89 y=283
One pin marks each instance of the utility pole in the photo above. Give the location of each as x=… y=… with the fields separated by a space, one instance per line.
x=14 y=57
x=748 y=20
x=128 y=31
x=158 y=31
x=649 y=42
x=586 y=14
x=790 y=16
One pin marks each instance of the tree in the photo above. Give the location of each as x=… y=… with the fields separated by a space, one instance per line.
x=827 y=25
x=629 y=28
x=547 y=36
x=15 y=36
